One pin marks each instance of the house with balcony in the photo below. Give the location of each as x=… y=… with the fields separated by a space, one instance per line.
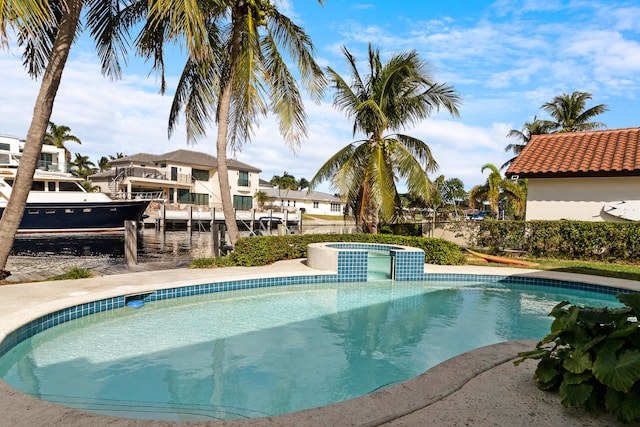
x=52 y=158
x=184 y=177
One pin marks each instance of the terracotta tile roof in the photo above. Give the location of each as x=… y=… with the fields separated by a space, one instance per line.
x=613 y=152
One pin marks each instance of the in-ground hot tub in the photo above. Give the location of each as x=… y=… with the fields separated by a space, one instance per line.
x=367 y=261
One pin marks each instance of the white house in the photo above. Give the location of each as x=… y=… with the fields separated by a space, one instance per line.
x=581 y=175
x=184 y=177
x=51 y=157
x=313 y=202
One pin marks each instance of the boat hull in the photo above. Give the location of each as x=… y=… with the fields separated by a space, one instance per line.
x=79 y=217
x=625 y=209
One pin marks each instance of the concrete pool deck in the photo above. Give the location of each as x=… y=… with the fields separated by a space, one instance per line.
x=478 y=388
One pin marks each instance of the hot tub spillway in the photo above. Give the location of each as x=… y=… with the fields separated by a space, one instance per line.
x=358 y=262
x=379 y=266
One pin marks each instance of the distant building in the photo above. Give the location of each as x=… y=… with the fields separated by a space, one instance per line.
x=581 y=175
x=184 y=177
x=313 y=202
x=52 y=158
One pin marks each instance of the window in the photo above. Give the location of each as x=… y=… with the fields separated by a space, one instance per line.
x=316 y=205
x=243 y=179
x=37 y=186
x=242 y=203
x=335 y=207
x=5 y=147
x=69 y=186
x=200 y=199
x=45 y=161
x=51 y=186
x=183 y=196
x=200 y=175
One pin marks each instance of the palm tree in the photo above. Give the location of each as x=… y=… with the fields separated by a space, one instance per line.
x=82 y=166
x=496 y=187
x=104 y=163
x=47 y=31
x=262 y=198
x=302 y=184
x=452 y=192
x=58 y=135
x=392 y=96
x=536 y=127
x=284 y=182
x=570 y=113
x=236 y=73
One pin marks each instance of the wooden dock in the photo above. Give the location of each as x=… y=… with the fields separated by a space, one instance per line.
x=204 y=219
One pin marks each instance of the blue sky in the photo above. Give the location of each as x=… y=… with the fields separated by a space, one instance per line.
x=506 y=58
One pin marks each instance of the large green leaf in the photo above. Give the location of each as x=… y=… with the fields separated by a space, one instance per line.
x=630 y=329
x=631 y=300
x=623 y=406
x=547 y=373
x=617 y=371
x=602 y=315
x=571 y=378
x=578 y=362
x=574 y=395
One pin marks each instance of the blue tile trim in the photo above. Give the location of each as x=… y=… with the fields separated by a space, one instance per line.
x=352 y=259
x=355 y=262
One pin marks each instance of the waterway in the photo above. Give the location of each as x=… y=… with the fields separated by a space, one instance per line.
x=51 y=254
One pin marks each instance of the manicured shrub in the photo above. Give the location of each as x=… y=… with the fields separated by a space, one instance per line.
x=592 y=357
x=608 y=241
x=263 y=250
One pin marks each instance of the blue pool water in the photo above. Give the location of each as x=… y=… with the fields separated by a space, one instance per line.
x=267 y=351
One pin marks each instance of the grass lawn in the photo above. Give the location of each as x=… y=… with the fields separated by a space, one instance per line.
x=596 y=268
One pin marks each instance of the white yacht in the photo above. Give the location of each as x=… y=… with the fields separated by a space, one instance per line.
x=57 y=201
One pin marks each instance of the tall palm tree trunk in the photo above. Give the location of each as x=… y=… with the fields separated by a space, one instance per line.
x=42 y=110
x=223 y=170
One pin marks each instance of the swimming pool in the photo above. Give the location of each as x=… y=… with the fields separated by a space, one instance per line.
x=249 y=353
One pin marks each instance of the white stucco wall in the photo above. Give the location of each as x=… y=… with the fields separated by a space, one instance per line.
x=578 y=198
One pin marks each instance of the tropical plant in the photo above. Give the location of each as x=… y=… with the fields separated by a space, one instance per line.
x=391 y=97
x=285 y=182
x=496 y=187
x=570 y=113
x=235 y=73
x=262 y=198
x=89 y=187
x=58 y=135
x=452 y=191
x=592 y=357
x=46 y=30
x=303 y=183
x=536 y=127
x=104 y=163
x=81 y=166
x=24 y=16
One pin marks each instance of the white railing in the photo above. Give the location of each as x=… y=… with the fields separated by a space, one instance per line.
x=140 y=195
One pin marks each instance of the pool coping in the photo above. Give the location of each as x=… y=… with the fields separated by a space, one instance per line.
x=22 y=303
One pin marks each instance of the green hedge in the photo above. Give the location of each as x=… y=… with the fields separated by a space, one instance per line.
x=564 y=239
x=263 y=250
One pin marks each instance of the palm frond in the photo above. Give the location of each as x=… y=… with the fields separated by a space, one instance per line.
x=299 y=47
x=286 y=101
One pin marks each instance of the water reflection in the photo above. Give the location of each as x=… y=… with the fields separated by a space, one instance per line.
x=153 y=245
